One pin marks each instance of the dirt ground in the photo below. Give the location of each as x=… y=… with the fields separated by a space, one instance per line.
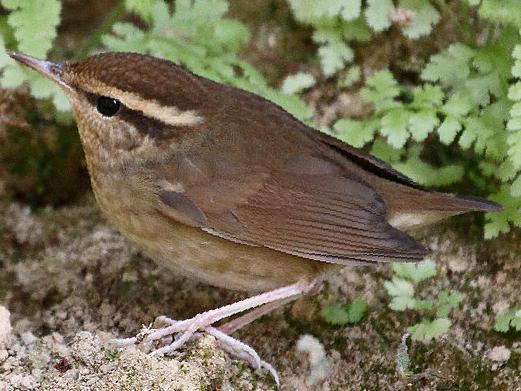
x=70 y=283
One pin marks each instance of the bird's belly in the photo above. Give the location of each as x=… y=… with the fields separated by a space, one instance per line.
x=199 y=255
x=195 y=254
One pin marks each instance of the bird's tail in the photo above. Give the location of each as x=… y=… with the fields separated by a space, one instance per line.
x=424 y=208
x=462 y=204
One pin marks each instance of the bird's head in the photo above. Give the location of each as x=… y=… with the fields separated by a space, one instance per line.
x=129 y=107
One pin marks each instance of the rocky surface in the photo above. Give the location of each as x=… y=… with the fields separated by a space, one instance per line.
x=69 y=283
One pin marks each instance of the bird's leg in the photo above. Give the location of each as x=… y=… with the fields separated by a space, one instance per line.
x=199 y=322
x=185 y=329
x=233 y=325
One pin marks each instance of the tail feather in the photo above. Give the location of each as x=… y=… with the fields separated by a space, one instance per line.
x=426 y=208
x=470 y=203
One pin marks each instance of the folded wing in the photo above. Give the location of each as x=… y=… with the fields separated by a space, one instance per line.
x=314 y=209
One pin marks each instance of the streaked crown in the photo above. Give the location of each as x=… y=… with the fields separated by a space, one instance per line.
x=128 y=106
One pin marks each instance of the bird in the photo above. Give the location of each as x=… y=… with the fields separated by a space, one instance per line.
x=223 y=186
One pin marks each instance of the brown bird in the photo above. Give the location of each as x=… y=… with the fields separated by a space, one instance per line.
x=223 y=186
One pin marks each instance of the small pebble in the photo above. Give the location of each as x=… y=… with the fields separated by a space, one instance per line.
x=28 y=338
x=458 y=264
x=319 y=365
x=499 y=354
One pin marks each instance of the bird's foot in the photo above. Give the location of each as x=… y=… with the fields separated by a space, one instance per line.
x=164 y=341
x=231 y=345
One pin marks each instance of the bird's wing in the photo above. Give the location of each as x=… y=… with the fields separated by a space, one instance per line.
x=365 y=161
x=310 y=207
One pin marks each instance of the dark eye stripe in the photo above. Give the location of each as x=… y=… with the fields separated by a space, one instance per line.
x=152 y=127
x=147 y=125
x=92 y=98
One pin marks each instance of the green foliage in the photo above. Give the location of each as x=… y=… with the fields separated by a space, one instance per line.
x=337 y=22
x=350 y=313
x=501 y=11
x=423 y=17
x=27 y=15
x=297 y=83
x=428 y=175
x=510 y=194
x=402 y=122
x=446 y=302
x=415 y=272
x=24 y=17
x=429 y=329
x=378 y=14
x=431 y=109
x=402 y=289
x=510 y=319
x=500 y=222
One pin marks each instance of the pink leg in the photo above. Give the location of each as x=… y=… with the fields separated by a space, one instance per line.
x=244 y=320
x=238 y=323
x=190 y=326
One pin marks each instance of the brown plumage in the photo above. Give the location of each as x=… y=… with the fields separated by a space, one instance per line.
x=221 y=185
x=240 y=169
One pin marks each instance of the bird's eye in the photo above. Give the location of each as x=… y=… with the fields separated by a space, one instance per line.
x=108 y=106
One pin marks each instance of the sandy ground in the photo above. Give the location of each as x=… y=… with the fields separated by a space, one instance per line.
x=69 y=282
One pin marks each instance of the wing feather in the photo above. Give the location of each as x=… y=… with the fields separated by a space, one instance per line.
x=327 y=217
x=311 y=207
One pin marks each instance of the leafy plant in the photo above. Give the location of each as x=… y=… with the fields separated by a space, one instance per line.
x=402 y=289
x=337 y=23
x=510 y=319
x=298 y=82
x=468 y=105
x=350 y=313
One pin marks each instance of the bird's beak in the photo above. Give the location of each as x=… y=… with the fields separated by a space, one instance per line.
x=50 y=70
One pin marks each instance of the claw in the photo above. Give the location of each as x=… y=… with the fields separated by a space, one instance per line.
x=242 y=351
x=232 y=346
